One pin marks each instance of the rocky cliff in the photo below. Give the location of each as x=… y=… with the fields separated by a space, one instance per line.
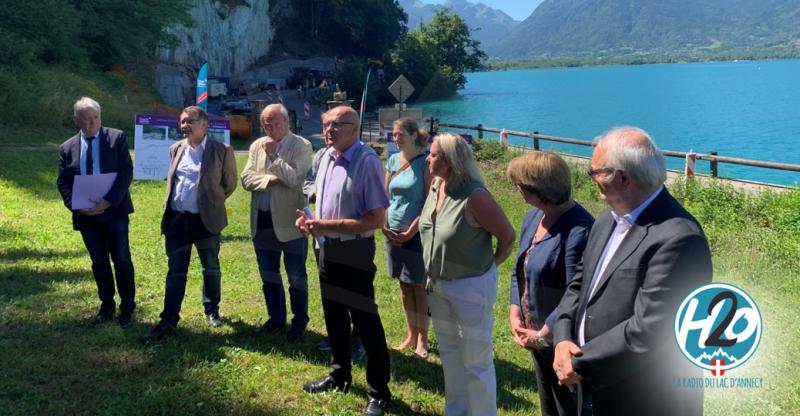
x=231 y=35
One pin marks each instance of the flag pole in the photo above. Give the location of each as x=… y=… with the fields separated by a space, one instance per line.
x=363 y=105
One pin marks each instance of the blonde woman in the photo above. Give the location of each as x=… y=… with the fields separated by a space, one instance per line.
x=407 y=182
x=457 y=224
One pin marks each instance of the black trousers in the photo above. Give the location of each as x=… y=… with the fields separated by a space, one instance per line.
x=354 y=338
x=346 y=273
x=650 y=392
x=181 y=233
x=106 y=238
x=555 y=400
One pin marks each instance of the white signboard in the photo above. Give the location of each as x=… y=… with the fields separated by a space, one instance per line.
x=155 y=133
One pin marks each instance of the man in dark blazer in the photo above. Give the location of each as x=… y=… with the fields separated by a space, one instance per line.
x=104 y=228
x=201 y=175
x=613 y=328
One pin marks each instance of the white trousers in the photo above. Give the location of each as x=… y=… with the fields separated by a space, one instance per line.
x=462 y=314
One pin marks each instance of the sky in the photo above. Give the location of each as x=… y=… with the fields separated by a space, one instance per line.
x=518 y=9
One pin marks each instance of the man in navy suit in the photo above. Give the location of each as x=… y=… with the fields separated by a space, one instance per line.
x=104 y=228
x=613 y=327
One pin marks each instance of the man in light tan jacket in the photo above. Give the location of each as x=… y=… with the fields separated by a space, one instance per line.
x=275 y=171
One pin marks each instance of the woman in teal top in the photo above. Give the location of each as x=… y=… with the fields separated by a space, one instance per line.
x=407 y=182
x=457 y=224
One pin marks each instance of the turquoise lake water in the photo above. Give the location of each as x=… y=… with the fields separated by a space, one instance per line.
x=747 y=109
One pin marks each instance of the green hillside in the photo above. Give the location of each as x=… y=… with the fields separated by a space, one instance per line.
x=695 y=28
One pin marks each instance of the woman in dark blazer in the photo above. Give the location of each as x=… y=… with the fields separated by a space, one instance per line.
x=553 y=237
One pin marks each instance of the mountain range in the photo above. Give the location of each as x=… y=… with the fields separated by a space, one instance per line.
x=601 y=28
x=488 y=24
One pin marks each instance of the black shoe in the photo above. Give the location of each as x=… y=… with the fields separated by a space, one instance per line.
x=296 y=333
x=375 y=407
x=214 y=319
x=157 y=333
x=125 y=320
x=271 y=326
x=105 y=314
x=325 y=384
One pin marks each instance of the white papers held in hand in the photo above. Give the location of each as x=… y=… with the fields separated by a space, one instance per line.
x=90 y=186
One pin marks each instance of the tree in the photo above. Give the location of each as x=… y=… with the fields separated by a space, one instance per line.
x=112 y=30
x=414 y=59
x=357 y=28
x=448 y=36
x=436 y=56
x=80 y=33
x=36 y=32
x=384 y=24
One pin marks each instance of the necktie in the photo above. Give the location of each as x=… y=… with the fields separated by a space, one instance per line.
x=89 y=158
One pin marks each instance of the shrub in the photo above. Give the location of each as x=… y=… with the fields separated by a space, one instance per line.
x=43 y=97
x=737 y=223
x=487 y=150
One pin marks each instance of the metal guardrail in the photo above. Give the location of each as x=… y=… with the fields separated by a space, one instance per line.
x=712 y=157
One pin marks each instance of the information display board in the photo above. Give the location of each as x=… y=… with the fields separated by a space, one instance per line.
x=155 y=133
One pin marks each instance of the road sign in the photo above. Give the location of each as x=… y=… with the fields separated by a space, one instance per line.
x=401 y=89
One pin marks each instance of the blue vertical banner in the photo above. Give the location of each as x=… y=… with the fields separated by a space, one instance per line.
x=202 y=87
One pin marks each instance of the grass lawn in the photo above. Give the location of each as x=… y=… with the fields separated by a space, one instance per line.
x=54 y=363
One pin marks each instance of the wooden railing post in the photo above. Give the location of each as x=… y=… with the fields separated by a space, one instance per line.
x=480 y=131
x=536 y=140
x=714 y=165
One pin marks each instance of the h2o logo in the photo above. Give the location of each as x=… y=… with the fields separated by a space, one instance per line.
x=718 y=327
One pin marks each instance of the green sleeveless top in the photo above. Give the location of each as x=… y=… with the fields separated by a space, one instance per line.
x=451 y=247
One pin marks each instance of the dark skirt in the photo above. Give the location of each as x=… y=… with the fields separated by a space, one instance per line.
x=405 y=262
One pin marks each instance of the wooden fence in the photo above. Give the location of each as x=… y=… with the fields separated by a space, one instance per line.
x=712 y=157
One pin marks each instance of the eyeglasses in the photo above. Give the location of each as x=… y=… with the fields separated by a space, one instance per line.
x=190 y=120
x=336 y=125
x=594 y=172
